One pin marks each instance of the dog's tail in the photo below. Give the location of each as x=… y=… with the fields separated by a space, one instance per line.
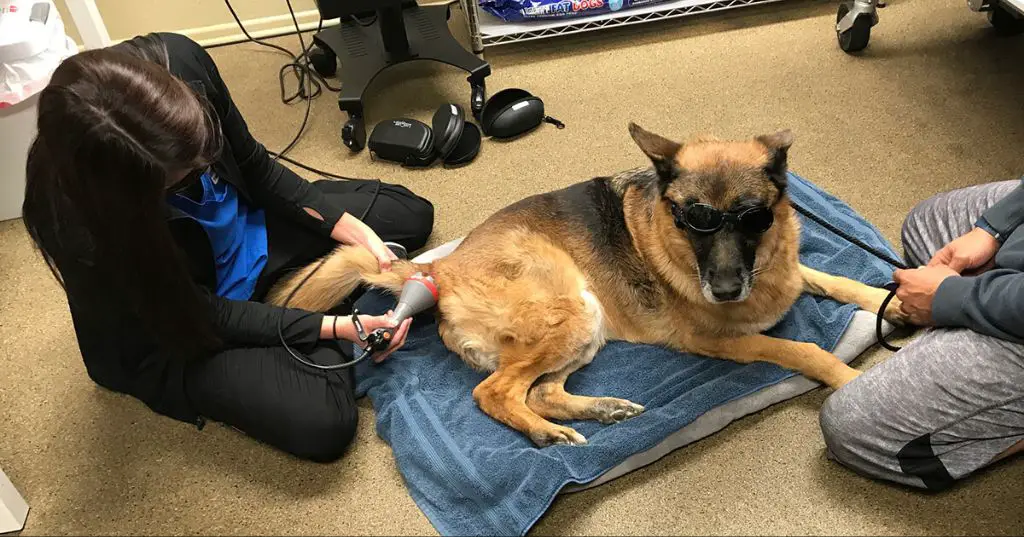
x=336 y=276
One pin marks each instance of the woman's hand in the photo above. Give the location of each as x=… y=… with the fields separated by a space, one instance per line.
x=973 y=251
x=346 y=330
x=351 y=230
x=916 y=291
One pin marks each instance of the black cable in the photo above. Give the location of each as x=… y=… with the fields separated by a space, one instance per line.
x=301 y=70
x=239 y=41
x=310 y=83
x=280 y=320
x=891 y=287
x=303 y=74
x=366 y=211
x=314 y=170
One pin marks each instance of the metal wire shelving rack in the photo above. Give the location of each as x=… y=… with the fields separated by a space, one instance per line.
x=487 y=30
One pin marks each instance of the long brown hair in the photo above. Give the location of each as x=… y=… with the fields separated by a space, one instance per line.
x=115 y=128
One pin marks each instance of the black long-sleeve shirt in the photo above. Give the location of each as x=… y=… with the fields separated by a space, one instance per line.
x=991 y=303
x=119 y=353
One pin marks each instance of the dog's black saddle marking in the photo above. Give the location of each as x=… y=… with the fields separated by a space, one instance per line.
x=597 y=206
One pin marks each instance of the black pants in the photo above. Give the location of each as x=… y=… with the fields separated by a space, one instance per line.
x=264 y=392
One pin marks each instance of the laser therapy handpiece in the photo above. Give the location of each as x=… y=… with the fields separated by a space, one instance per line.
x=418 y=295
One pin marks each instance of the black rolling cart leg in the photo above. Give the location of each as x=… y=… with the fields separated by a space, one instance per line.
x=353 y=132
x=324 y=60
x=479 y=94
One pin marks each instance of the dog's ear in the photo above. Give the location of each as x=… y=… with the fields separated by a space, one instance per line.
x=661 y=151
x=778 y=145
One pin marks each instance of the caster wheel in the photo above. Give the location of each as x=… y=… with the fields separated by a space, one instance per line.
x=353 y=134
x=856 y=38
x=1005 y=21
x=478 y=99
x=325 y=63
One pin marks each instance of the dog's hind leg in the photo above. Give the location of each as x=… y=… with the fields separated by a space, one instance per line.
x=554 y=335
x=548 y=398
x=502 y=396
x=850 y=291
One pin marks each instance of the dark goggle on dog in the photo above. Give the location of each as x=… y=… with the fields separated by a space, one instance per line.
x=724 y=197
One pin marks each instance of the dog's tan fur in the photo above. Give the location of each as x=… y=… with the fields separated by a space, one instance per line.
x=530 y=298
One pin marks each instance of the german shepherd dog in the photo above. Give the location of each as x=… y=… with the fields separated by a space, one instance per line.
x=698 y=253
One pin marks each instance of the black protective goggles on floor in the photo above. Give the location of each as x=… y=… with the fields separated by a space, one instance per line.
x=705 y=219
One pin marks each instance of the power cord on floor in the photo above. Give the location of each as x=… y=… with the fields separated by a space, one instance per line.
x=310 y=86
x=310 y=83
x=301 y=70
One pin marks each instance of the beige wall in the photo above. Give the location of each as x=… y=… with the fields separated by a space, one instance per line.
x=207 y=21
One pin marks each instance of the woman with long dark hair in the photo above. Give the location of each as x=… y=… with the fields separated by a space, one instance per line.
x=167 y=223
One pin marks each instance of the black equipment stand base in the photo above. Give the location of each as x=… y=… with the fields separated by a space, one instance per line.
x=395 y=36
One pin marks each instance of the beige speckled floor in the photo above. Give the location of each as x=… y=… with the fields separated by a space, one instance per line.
x=934 y=104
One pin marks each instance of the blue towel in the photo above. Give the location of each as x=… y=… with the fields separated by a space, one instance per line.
x=472 y=475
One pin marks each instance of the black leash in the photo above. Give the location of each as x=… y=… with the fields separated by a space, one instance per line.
x=891 y=286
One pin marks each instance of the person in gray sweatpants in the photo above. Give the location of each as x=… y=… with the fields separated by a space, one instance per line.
x=952 y=401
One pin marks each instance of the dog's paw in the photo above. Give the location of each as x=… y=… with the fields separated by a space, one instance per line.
x=894 y=315
x=610 y=410
x=556 y=435
x=843 y=376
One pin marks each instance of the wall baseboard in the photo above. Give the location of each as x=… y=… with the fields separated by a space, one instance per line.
x=229 y=32
x=262 y=27
x=220 y=34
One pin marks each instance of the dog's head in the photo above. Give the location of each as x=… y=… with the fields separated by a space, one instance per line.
x=724 y=200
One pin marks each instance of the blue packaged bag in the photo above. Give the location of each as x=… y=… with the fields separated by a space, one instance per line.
x=524 y=10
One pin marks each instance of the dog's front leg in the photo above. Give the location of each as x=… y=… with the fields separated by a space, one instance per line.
x=850 y=291
x=809 y=359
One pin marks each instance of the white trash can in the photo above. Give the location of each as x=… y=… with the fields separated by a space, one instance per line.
x=32 y=45
x=18 y=125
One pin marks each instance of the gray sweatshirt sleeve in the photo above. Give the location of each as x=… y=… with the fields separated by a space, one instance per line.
x=991 y=303
x=1005 y=216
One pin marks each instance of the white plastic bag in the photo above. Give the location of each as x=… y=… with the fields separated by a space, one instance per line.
x=32 y=45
